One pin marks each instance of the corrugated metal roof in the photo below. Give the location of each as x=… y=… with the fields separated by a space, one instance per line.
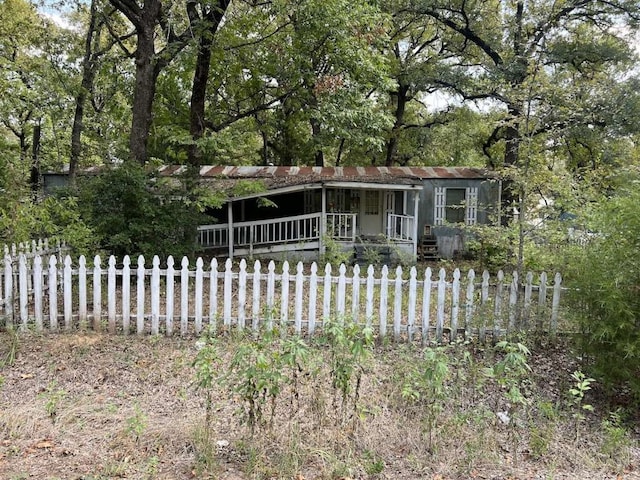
x=343 y=173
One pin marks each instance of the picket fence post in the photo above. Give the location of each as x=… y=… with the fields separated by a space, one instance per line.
x=242 y=294
x=37 y=292
x=111 y=295
x=298 y=309
x=126 y=294
x=384 y=300
x=8 y=289
x=67 y=281
x=255 y=309
x=140 y=296
x=169 y=302
x=411 y=313
x=313 y=297
x=426 y=306
x=53 y=293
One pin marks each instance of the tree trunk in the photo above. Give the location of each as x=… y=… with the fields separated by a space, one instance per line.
x=401 y=102
x=144 y=91
x=316 y=129
x=34 y=177
x=212 y=16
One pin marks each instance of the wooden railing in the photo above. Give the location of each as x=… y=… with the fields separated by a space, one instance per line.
x=400 y=227
x=300 y=228
x=342 y=226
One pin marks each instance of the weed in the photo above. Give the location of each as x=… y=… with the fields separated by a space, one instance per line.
x=427 y=385
x=580 y=387
x=510 y=373
x=616 y=440
x=53 y=396
x=13 y=343
x=137 y=423
x=350 y=348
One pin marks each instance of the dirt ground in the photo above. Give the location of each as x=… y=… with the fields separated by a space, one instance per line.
x=98 y=406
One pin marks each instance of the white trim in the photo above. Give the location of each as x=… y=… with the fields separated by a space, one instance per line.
x=471 y=202
x=439 y=205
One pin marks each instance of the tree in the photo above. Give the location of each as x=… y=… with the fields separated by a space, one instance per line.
x=157 y=44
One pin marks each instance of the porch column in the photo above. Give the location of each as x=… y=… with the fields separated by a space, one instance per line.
x=416 y=203
x=230 y=227
x=323 y=220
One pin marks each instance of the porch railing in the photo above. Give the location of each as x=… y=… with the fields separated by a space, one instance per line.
x=342 y=226
x=400 y=227
x=300 y=228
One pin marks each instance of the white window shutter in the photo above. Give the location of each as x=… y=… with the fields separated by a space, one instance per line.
x=471 y=211
x=439 y=205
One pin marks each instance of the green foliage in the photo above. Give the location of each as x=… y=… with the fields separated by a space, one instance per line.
x=259 y=371
x=53 y=396
x=133 y=212
x=605 y=279
x=426 y=384
x=350 y=349
x=136 y=423
x=581 y=385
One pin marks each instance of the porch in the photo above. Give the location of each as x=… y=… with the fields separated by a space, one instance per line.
x=305 y=219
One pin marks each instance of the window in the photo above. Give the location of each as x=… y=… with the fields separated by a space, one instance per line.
x=456 y=205
x=372 y=202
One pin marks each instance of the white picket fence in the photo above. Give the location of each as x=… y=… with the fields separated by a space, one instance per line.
x=164 y=299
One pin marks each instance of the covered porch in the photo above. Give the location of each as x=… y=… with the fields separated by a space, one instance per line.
x=305 y=218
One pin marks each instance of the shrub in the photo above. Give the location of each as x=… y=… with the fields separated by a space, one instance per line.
x=133 y=212
x=605 y=277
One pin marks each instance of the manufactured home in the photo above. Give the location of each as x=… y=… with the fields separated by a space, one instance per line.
x=409 y=212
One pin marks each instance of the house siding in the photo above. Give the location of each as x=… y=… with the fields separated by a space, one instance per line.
x=451 y=240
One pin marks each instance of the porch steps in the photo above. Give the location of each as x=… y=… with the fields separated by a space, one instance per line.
x=428 y=249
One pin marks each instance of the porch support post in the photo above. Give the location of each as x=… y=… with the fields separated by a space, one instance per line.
x=230 y=226
x=323 y=220
x=416 y=203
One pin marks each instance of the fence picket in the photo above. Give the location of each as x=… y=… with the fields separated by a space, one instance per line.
x=326 y=299
x=68 y=293
x=526 y=311
x=8 y=289
x=298 y=301
x=37 y=292
x=271 y=286
x=53 y=293
x=469 y=305
x=513 y=301
x=255 y=310
x=455 y=304
x=369 y=300
x=542 y=298
x=341 y=292
x=426 y=306
x=111 y=294
x=313 y=297
x=484 y=300
x=384 y=299
x=155 y=295
x=213 y=295
x=97 y=293
x=82 y=291
x=198 y=295
x=397 y=304
x=126 y=294
x=284 y=299
x=184 y=296
x=411 y=310
x=23 y=282
x=555 y=303
x=242 y=294
x=170 y=296
x=355 y=294
x=140 y=310
x=442 y=290
x=497 y=312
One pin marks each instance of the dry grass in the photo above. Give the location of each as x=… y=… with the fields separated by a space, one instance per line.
x=90 y=406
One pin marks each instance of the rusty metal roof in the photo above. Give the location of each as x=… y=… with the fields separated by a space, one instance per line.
x=299 y=175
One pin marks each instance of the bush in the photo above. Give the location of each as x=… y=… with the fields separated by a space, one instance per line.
x=605 y=277
x=134 y=213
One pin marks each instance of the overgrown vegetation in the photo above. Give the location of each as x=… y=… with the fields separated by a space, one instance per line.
x=605 y=276
x=132 y=211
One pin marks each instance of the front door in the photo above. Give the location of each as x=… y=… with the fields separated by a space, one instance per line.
x=371 y=213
